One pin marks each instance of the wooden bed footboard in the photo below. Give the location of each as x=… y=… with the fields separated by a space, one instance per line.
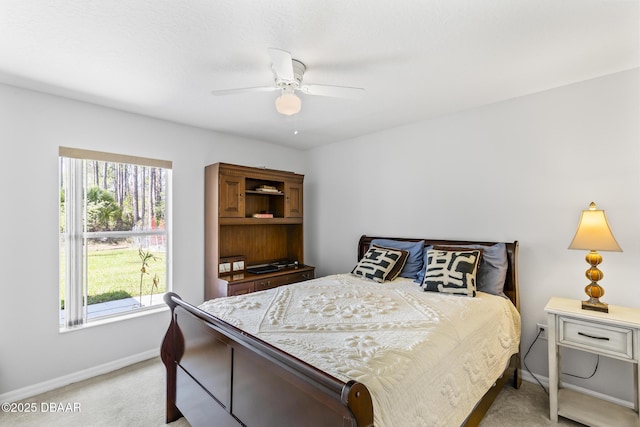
x=219 y=375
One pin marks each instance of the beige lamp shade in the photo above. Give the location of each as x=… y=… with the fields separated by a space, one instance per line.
x=593 y=232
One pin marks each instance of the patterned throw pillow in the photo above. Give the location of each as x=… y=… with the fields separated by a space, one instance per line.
x=415 y=250
x=377 y=263
x=452 y=272
x=399 y=265
x=492 y=270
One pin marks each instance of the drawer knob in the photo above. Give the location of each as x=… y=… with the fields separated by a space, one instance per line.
x=592 y=336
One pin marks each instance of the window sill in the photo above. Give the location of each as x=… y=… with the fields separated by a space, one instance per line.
x=160 y=308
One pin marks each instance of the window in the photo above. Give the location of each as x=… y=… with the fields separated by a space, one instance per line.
x=114 y=234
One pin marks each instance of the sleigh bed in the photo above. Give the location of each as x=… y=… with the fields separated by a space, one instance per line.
x=260 y=361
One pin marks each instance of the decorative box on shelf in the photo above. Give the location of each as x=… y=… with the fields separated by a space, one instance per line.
x=263 y=215
x=232 y=264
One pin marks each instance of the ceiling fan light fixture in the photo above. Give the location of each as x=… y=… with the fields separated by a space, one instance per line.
x=288 y=104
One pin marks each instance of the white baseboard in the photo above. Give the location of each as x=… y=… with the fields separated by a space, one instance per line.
x=32 y=390
x=526 y=376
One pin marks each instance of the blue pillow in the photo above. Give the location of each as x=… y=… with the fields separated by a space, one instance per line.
x=420 y=276
x=493 y=269
x=492 y=272
x=414 y=263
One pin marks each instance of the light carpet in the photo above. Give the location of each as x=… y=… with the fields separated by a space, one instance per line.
x=135 y=396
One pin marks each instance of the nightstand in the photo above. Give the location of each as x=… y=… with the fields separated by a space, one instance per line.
x=613 y=334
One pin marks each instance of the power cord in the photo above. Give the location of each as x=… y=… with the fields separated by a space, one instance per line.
x=524 y=362
x=590 y=376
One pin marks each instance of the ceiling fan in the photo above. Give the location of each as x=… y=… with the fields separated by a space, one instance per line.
x=288 y=74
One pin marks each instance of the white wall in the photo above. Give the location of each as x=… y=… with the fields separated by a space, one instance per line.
x=519 y=170
x=32 y=126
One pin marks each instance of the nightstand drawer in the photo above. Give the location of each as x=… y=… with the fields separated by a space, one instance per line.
x=605 y=339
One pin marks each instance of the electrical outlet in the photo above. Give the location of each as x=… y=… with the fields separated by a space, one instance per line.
x=542 y=331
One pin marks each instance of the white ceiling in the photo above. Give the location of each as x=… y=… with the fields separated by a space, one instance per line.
x=416 y=58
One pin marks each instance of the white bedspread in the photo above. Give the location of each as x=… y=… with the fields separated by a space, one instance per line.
x=426 y=358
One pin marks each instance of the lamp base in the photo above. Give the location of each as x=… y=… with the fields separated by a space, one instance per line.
x=595 y=305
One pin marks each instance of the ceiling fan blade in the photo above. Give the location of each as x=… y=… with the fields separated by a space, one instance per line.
x=225 y=92
x=282 y=64
x=334 y=91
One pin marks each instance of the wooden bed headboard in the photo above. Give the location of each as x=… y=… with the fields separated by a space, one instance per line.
x=511 y=282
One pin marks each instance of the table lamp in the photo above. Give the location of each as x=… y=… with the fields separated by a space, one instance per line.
x=594 y=234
